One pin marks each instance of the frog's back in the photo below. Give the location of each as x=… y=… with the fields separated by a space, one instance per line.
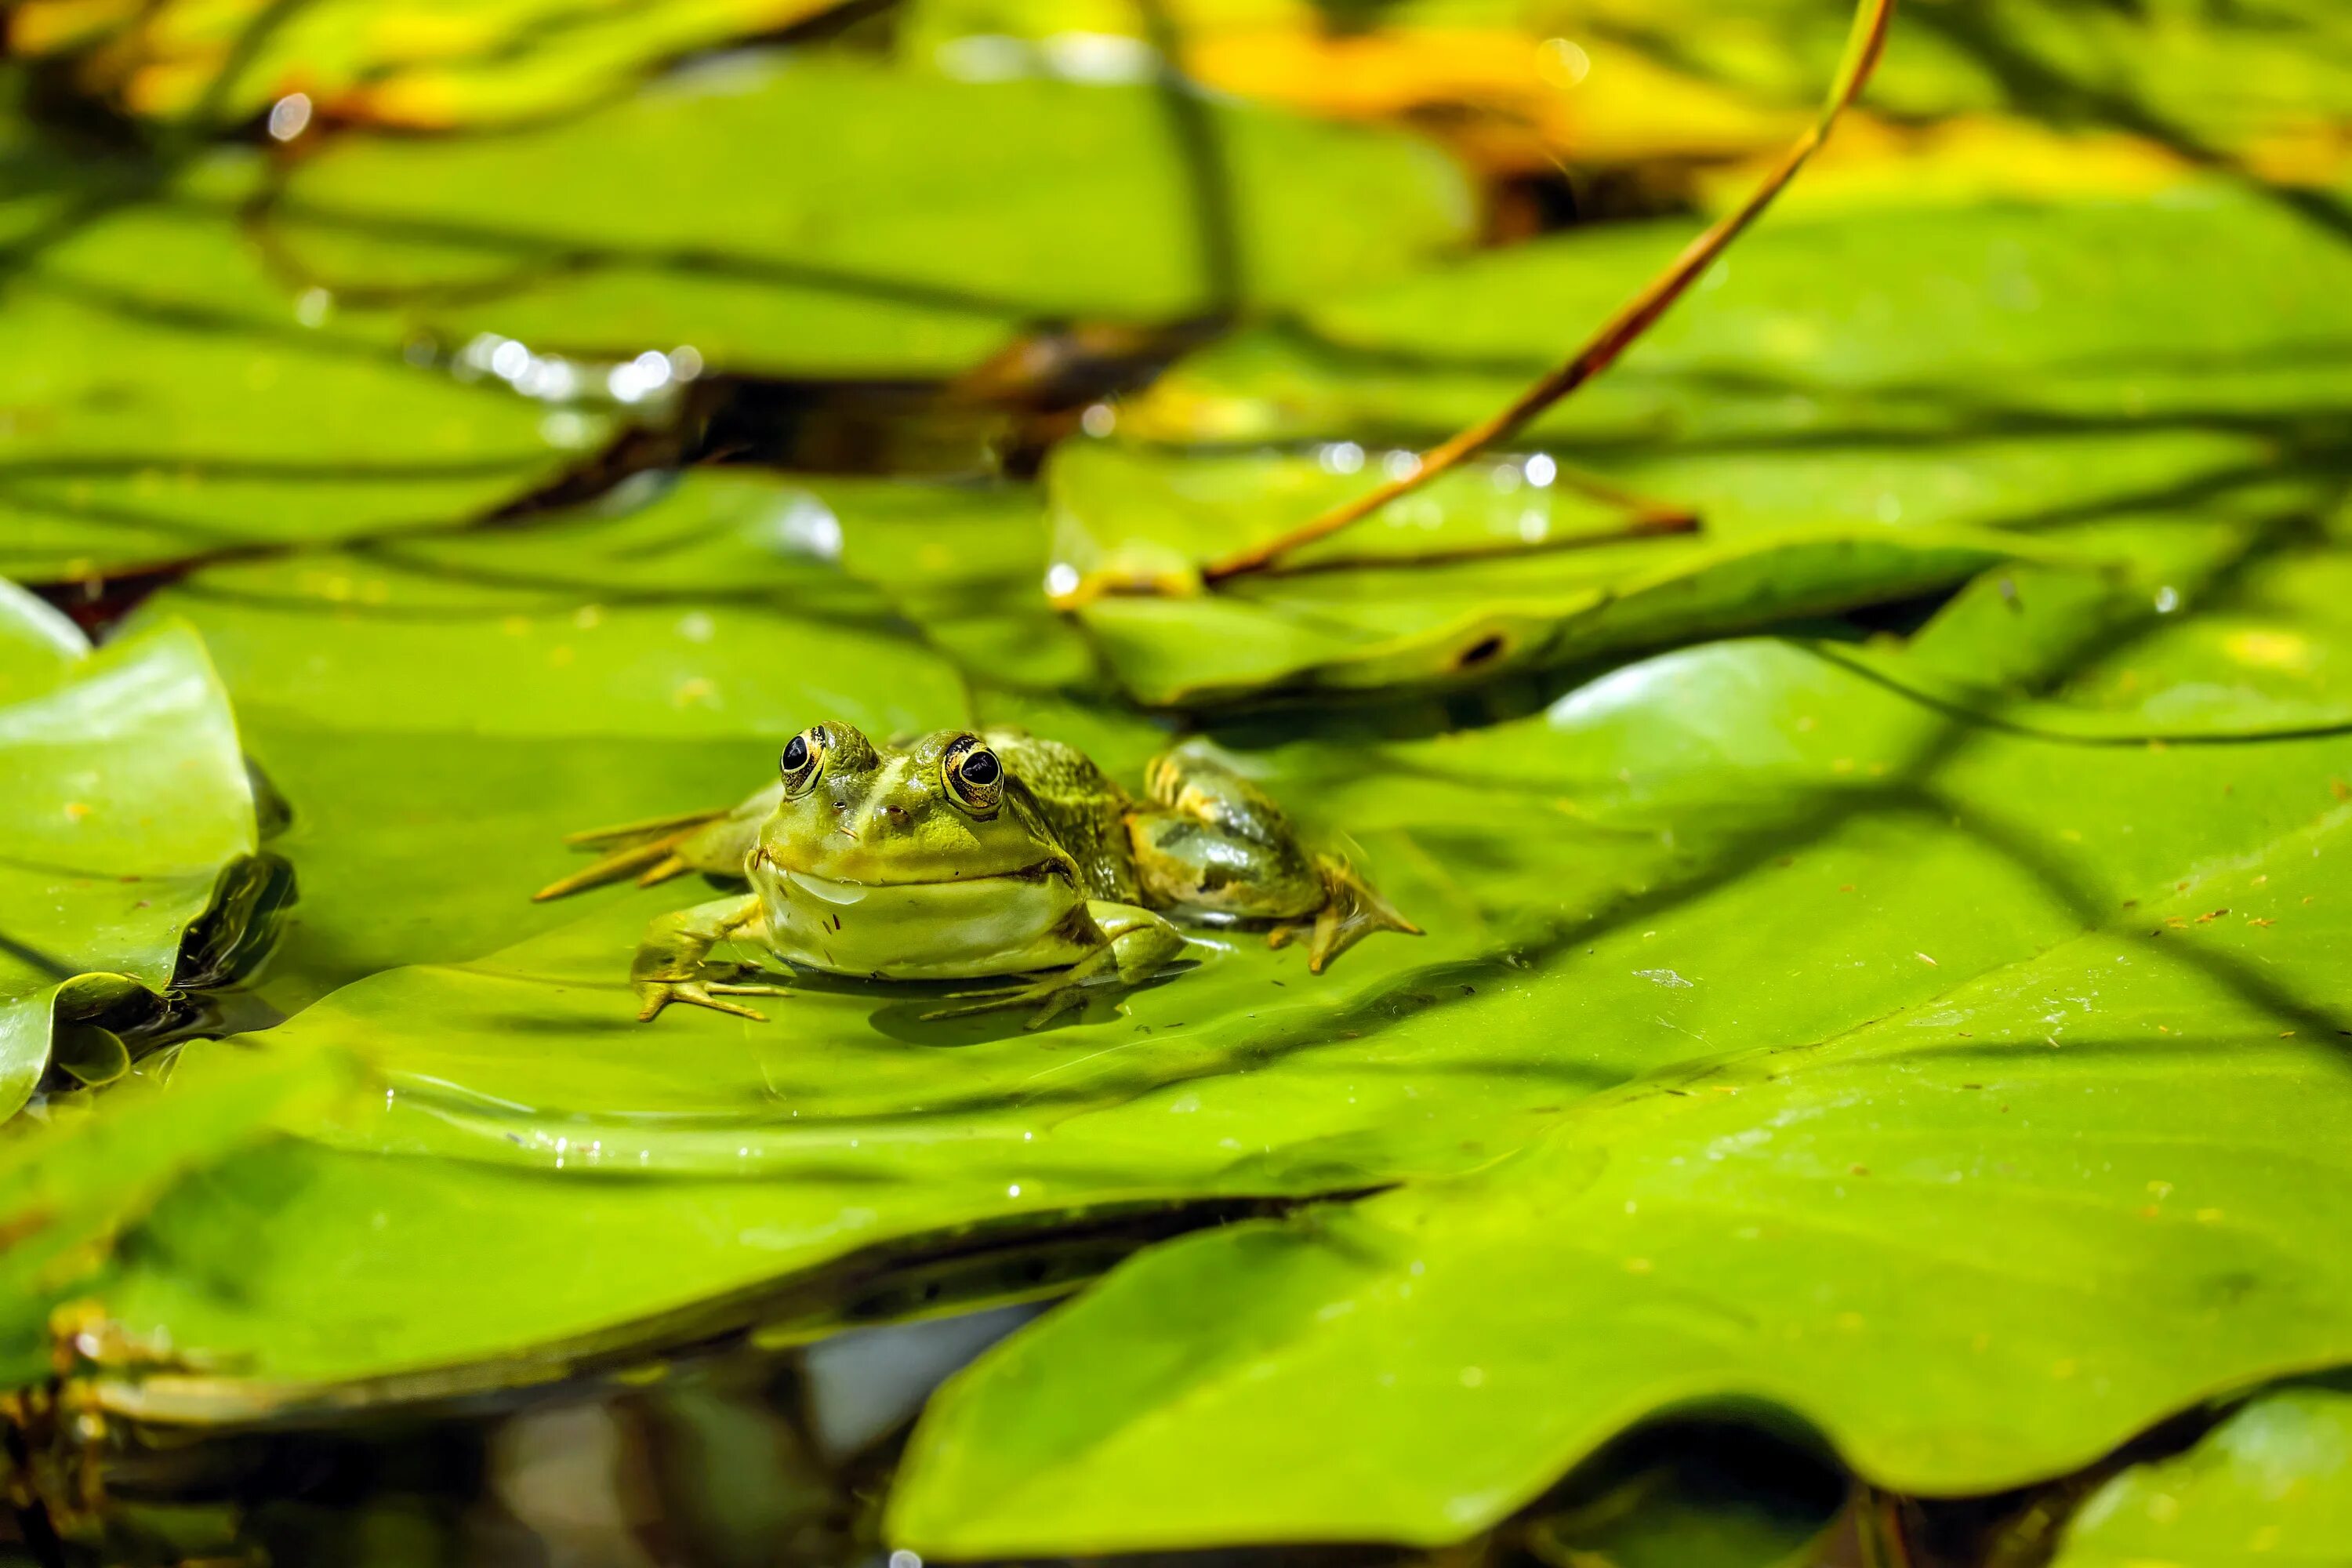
x=1078 y=804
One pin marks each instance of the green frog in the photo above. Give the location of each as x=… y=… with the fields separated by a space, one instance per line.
x=964 y=855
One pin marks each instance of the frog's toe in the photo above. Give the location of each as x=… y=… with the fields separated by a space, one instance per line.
x=659 y=993
x=1056 y=1002
x=1054 y=997
x=1351 y=911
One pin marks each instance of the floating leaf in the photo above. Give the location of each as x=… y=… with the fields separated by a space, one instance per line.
x=126 y=802
x=165 y=400
x=67 y=1189
x=420 y=64
x=1978 y=1241
x=1606 y=897
x=942 y=217
x=1471 y=577
x=2269 y=1484
x=1827 y=452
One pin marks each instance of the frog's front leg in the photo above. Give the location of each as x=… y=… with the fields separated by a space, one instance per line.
x=673 y=961
x=1215 y=842
x=1136 y=944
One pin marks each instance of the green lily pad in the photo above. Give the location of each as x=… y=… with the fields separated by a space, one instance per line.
x=1976 y=1241
x=165 y=401
x=127 y=805
x=1604 y=889
x=67 y=1189
x=2268 y=1485
x=942 y=218
x=2181 y=79
x=1474 y=576
x=1829 y=454
x=423 y=64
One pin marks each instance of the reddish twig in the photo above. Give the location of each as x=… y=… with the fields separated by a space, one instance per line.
x=1617 y=334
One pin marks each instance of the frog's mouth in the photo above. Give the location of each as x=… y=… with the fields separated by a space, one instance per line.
x=833 y=892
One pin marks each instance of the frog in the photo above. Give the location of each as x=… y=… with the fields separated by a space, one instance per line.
x=990 y=854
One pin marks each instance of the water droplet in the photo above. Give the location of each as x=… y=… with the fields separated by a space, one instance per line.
x=1340 y=458
x=1401 y=466
x=983 y=57
x=2167 y=599
x=289 y=117
x=1099 y=420
x=1542 y=471
x=1561 y=62
x=1061 y=580
x=809 y=528
x=508 y=360
x=685 y=362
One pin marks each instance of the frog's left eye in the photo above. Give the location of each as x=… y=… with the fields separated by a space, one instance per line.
x=975 y=776
x=803 y=759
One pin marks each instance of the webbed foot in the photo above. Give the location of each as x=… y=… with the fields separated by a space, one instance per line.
x=1352 y=909
x=657 y=994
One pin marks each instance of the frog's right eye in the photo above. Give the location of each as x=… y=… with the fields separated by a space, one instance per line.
x=803 y=759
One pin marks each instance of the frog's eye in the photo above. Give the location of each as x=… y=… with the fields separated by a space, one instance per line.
x=975 y=776
x=803 y=759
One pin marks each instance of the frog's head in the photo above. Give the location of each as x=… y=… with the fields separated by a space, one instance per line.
x=941 y=809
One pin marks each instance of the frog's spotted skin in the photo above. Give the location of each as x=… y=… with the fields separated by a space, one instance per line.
x=960 y=854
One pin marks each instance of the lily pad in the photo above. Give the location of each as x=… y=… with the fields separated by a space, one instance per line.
x=166 y=401
x=1690 y=101
x=1976 y=1241
x=1480 y=574
x=421 y=64
x=2269 y=1485
x=127 y=803
x=1605 y=888
x=67 y=1189
x=942 y=218
x=1828 y=455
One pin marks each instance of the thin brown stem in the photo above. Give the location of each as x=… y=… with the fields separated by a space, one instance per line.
x=1615 y=335
x=1649 y=525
